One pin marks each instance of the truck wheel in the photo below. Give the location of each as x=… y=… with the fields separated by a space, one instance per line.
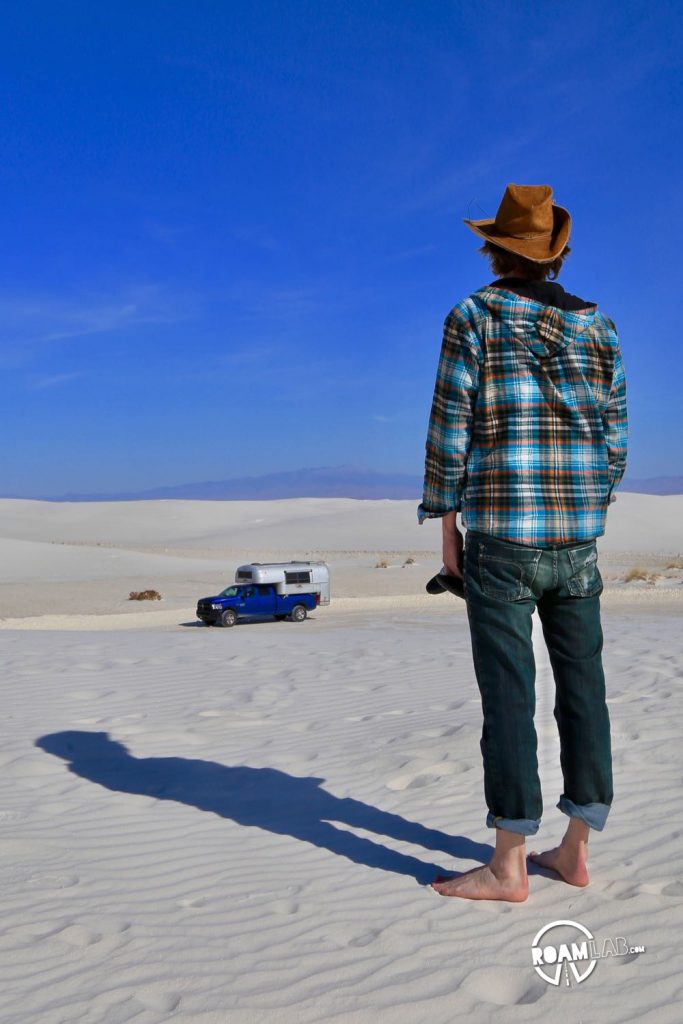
x=229 y=617
x=299 y=613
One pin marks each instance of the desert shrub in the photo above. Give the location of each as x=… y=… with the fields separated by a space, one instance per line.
x=409 y=561
x=144 y=595
x=636 y=573
x=676 y=564
x=383 y=564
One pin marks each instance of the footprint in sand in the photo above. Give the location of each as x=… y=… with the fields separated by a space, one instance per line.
x=8 y=817
x=192 y=902
x=440 y=733
x=394 y=713
x=284 y=907
x=306 y=726
x=626 y=734
x=672 y=889
x=366 y=938
x=625 y=958
x=78 y=935
x=124 y=719
x=504 y=986
x=427 y=775
x=159 y=999
x=48 y=883
x=621 y=890
x=86 y=694
x=622 y=698
x=232 y=718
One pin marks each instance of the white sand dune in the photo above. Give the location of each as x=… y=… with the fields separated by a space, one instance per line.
x=211 y=825
x=79 y=560
x=637 y=523
x=38 y=562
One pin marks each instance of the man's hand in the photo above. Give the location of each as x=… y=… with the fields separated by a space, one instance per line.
x=452 y=546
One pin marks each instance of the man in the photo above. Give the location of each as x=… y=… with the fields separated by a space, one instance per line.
x=527 y=439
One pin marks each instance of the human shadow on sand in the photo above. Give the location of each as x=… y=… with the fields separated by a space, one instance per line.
x=264 y=798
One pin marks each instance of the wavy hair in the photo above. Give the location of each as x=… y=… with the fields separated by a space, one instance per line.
x=508 y=264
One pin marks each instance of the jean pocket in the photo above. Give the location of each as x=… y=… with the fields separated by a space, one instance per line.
x=585 y=580
x=507 y=578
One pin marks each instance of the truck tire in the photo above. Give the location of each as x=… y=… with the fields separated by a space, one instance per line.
x=229 y=617
x=298 y=613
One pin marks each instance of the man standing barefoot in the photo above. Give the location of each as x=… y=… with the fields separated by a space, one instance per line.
x=527 y=439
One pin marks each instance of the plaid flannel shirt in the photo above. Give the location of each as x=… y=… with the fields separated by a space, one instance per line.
x=528 y=427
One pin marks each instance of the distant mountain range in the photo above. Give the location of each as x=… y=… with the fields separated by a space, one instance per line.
x=318 y=482
x=652 y=484
x=324 y=482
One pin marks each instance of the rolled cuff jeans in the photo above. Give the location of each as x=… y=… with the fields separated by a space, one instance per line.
x=504 y=582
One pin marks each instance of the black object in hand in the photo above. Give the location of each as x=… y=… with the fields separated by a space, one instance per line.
x=444 y=581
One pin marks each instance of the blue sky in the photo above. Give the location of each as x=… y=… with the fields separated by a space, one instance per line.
x=233 y=230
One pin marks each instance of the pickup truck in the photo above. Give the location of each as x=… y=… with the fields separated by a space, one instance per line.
x=254 y=599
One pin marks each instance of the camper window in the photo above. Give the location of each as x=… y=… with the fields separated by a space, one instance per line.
x=298 y=577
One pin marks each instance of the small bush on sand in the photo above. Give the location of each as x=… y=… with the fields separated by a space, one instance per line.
x=383 y=564
x=636 y=573
x=144 y=595
x=409 y=561
x=676 y=564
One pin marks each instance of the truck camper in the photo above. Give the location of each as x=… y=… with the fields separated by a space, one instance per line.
x=284 y=590
x=289 y=577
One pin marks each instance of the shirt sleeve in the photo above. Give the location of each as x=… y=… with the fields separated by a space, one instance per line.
x=616 y=425
x=449 y=434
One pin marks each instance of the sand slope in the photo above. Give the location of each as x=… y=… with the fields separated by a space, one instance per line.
x=82 y=560
x=212 y=825
x=636 y=522
x=209 y=825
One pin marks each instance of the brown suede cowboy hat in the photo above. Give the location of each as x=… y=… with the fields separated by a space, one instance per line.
x=527 y=223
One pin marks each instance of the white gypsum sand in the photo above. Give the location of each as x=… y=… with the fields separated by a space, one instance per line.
x=210 y=825
x=64 y=562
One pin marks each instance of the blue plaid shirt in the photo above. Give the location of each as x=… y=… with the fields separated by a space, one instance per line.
x=528 y=428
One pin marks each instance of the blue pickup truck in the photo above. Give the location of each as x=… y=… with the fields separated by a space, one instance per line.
x=259 y=600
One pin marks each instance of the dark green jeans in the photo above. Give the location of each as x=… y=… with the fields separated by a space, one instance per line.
x=504 y=583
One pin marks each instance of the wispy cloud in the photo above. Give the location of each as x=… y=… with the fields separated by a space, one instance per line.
x=80 y=322
x=257 y=236
x=248 y=355
x=283 y=303
x=410 y=254
x=445 y=188
x=28 y=322
x=54 y=380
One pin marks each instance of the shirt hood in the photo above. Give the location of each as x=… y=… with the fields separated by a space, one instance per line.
x=544 y=329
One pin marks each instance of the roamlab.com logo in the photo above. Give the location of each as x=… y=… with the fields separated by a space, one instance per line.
x=577 y=955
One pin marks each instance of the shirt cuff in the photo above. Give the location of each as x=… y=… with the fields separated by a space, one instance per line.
x=615 y=475
x=426 y=513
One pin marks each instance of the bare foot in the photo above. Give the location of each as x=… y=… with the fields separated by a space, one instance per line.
x=569 y=863
x=483 y=884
